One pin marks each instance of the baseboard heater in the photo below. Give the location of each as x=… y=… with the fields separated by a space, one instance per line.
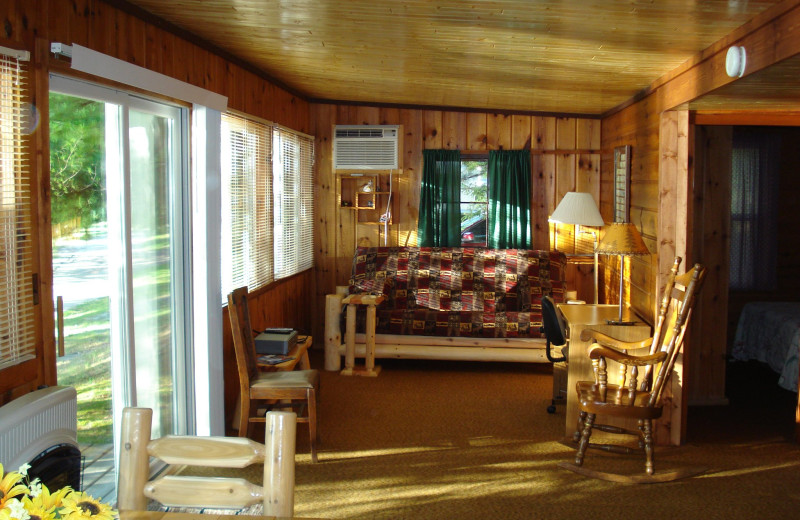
x=41 y=428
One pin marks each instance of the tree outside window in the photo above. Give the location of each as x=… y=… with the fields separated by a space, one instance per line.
x=474 y=201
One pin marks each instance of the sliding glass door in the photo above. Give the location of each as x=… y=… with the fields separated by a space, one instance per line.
x=136 y=256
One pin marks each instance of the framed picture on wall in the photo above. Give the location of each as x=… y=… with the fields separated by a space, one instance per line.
x=622 y=183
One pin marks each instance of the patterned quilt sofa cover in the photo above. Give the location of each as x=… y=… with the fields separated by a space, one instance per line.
x=458 y=292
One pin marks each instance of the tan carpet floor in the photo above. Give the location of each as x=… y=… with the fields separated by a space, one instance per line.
x=431 y=440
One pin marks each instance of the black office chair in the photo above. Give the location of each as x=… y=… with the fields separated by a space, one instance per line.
x=555 y=332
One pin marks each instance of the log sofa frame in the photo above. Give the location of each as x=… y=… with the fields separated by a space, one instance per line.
x=434 y=347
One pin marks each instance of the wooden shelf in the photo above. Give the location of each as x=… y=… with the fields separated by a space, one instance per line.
x=369 y=205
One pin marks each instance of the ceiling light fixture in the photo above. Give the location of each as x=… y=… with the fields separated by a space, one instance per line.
x=735 y=61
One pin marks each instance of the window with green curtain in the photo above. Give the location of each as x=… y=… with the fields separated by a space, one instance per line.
x=440 y=199
x=509 y=199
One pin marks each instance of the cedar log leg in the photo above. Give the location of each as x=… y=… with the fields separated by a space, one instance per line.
x=136 y=426
x=333 y=334
x=369 y=358
x=280 y=441
x=369 y=369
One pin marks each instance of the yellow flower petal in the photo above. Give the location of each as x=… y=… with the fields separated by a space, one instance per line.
x=82 y=506
x=11 y=486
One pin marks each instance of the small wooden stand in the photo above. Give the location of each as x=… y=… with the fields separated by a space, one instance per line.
x=369 y=369
x=299 y=353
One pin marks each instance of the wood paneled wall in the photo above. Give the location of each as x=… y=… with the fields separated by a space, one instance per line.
x=661 y=134
x=33 y=24
x=565 y=156
x=638 y=127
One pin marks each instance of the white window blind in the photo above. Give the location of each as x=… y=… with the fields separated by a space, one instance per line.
x=17 y=339
x=246 y=171
x=294 y=202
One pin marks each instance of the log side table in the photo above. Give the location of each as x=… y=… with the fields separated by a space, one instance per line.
x=369 y=369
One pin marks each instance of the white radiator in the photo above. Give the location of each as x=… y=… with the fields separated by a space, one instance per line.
x=35 y=422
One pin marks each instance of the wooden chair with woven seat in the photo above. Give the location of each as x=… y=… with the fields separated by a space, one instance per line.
x=136 y=490
x=636 y=396
x=297 y=389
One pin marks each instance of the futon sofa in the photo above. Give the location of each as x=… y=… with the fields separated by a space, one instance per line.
x=449 y=303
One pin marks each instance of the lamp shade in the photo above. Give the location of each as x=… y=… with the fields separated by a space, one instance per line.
x=577 y=208
x=622 y=238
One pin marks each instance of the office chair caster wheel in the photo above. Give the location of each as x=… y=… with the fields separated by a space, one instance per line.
x=551 y=408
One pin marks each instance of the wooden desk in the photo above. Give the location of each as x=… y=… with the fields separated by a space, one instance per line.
x=579 y=366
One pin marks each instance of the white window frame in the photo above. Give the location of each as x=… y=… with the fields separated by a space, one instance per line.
x=205 y=261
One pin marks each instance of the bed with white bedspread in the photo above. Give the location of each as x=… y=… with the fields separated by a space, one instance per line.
x=770 y=332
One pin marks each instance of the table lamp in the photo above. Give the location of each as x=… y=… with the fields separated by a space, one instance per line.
x=623 y=239
x=579 y=209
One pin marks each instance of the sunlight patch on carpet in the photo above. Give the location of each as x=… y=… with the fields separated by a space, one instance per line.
x=747 y=471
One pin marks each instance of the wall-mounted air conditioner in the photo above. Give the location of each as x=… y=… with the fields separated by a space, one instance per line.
x=360 y=147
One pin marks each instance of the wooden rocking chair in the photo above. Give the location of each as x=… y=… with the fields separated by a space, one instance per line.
x=636 y=396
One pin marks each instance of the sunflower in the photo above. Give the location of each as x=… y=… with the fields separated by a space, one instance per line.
x=11 y=486
x=49 y=500
x=82 y=506
x=37 y=511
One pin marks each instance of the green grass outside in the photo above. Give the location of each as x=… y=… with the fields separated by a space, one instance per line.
x=87 y=363
x=87 y=367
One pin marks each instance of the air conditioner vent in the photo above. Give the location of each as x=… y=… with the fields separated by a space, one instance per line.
x=365 y=132
x=365 y=147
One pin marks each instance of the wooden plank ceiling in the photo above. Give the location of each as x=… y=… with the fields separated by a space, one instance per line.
x=551 y=56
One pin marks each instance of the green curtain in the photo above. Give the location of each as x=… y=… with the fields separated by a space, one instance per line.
x=440 y=199
x=509 y=199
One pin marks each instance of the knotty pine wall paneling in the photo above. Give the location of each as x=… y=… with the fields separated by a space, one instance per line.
x=638 y=127
x=552 y=140
x=770 y=37
x=407 y=184
x=33 y=24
